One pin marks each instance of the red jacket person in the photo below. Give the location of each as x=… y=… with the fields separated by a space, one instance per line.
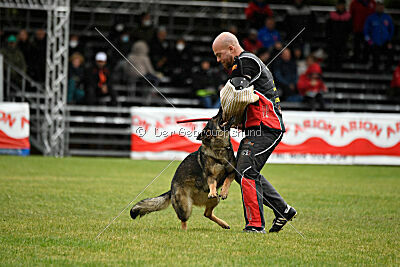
x=263 y=125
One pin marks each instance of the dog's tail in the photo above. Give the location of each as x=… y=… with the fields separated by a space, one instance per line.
x=151 y=204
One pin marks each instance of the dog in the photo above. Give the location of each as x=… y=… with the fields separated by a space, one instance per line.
x=199 y=176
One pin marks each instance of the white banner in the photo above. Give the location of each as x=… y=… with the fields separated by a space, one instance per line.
x=14 y=128
x=311 y=137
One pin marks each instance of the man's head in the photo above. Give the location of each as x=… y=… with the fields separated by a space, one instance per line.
x=253 y=34
x=226 y=47
x=12 y=41
x=101 y=59
x=23 y=35
x=341 y=5
x=40 y=34
x=162 y=34
x=380 y=7
x=286 y=55
x=270 y=23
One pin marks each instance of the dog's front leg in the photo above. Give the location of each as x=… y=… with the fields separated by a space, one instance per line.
x=226 y=185
x=212 y=184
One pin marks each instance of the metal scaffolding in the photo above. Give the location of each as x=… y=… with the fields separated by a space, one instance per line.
x=52 y=127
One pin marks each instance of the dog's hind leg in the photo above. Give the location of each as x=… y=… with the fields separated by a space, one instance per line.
x=210 y=205
x=182 y=204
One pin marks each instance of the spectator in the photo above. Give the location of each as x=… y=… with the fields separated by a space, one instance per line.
x=378 y=31
x=206 y=86
x=39 y=48
x=268 y=35
x=13 y=54
x=251 y=43
x=160 y=51
x=76 y=75
x=264 y=54
x=124 y=45
x=99 y=84
x=256 y=13
x=142 y=64
x=117 y=29
x=338 y=29
x=300 y=61
x=360 y=10
x=75 y=45
x=145 y=31
x=299 y=15
x=25 y=47
x=285 y=71
x=181 y=63
x=394 y=90
x=311 y=86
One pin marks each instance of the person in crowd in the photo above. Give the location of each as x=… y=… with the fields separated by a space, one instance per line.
x=264 y=54
x=99 y=83
x=251 y=42
x=161 y=51
x=256 y=13
x=311 y=86
x=181 y=63
x=268 y=35
x=76 y=76
x=39 y=47
x=117 y=29
x=13 y=54
x=285 y=72
x=300 y=15
x=378 y=32
x=142 y=64
x=394 y=90
x=300 y=60
x=338 y=29
x=360 y=10
x=206 y=86
x=145 y=31
x=75 y=45
x=25 y=46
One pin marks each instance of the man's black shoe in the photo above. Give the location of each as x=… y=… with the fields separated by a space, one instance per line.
x=253 y=230
x=279 y=222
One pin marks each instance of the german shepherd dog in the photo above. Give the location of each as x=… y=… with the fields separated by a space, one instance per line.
x=198 y=177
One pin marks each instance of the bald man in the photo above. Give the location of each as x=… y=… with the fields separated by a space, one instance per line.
x=264 y=128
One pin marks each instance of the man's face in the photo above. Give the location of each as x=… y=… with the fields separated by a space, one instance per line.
x=224 y=55
x=380 y=8
x=100 y=64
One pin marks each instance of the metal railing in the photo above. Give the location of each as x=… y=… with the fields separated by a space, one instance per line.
x=19 y=87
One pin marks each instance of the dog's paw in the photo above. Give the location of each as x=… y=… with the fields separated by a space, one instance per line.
x=212 y=195
x=224 y=196
x=226 y=227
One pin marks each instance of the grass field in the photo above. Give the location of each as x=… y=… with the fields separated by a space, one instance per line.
x=52 y=209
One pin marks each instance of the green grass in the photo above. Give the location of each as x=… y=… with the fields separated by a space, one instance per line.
x=52 y=209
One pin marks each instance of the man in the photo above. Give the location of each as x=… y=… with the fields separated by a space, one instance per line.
x=378 y=33
x=262 y=123
x=338 y=29
x=360 y=10
x=285 y=71
x=98 y=82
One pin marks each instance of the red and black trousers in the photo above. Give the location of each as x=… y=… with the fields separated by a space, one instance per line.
x=253 y=153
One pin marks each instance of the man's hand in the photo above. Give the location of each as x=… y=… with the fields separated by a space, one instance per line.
x=104 y=89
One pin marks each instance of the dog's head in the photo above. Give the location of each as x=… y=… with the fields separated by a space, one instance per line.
x=216 y=132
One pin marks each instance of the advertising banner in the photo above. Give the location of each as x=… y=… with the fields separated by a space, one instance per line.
x=311 y=137
x=14 y=128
